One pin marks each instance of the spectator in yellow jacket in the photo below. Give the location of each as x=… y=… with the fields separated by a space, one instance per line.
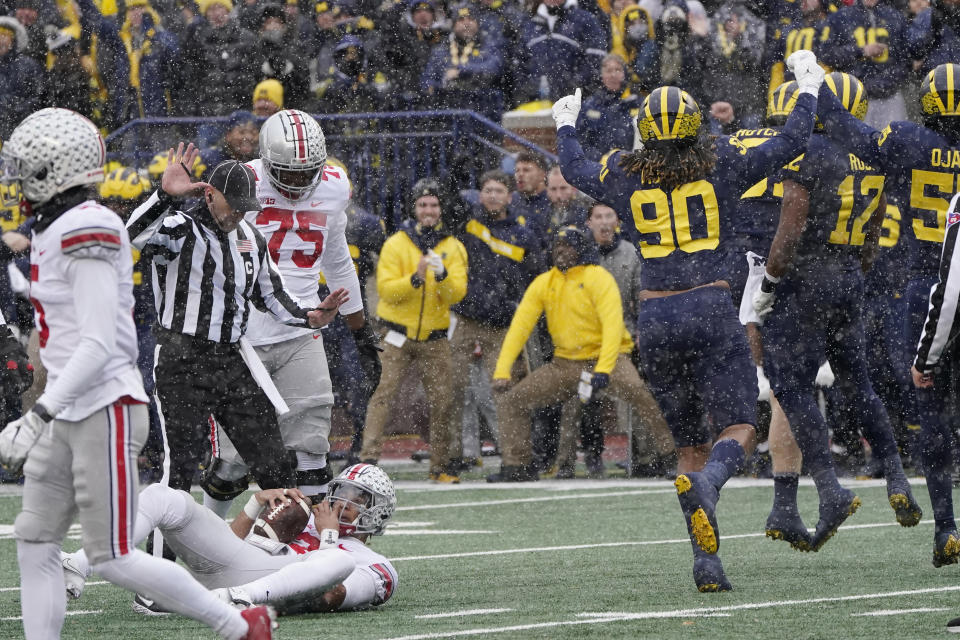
x=421 y=273
x=591 y=350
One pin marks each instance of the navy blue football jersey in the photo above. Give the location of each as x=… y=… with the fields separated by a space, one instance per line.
x=759 y=208
x=923 y=170
x=844 y=192
x=681 y=235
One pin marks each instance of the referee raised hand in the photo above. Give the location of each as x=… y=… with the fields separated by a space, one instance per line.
x=209 y=265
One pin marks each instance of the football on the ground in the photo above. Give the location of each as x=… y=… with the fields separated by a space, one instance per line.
x=284 y=522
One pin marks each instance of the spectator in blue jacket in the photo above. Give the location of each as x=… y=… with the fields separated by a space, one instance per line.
x=408 y=39
x=733 y=64
x=503 y=22
x=934 y=35
x=563 y=47
x=638 y=46
x=808 y=31
x=606 y=118
x=21 y=78
x=868 y=40
x=142 y=76
x=503 y=257
x=461 y=73
x=530 y=203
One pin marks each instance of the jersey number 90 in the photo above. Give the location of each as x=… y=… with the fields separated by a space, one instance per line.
x=688 y=219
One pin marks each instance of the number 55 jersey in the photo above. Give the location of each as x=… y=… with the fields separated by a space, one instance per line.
x=304 y=237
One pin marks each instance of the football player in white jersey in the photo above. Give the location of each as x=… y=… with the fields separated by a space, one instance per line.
x=304 y=222
x=81 y=439
x=328 y=567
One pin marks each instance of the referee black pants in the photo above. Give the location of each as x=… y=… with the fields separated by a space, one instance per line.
x=197 y=379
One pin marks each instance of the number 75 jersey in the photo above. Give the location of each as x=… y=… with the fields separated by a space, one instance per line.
x=304 y=238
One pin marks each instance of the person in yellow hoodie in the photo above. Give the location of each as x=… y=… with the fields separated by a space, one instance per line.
x=422 y=272
x=591 y=350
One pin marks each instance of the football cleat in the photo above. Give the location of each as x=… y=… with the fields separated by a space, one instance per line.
x=443 y=477
x=946 y=548
x=261 y=621
x=954 y=626
x=832 y=515
x=708 y=573
x=73 y=578
x=904 y=506
x=234 y=596
x=786 y=525
x=698 y=500
x=147 y=607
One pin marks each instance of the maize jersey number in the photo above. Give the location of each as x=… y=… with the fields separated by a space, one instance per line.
x=670 y=218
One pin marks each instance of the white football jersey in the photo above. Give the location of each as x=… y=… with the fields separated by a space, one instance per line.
x=373 y=580
x=88 y=230
x=305 y=238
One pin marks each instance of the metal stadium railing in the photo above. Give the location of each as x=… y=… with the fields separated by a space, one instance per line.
x=385 y=153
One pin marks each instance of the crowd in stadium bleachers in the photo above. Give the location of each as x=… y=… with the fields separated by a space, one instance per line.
x=115 y=61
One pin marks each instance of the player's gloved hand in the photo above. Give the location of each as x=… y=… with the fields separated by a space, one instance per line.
x=566 y=110
x=809 y=74
x=18 y=438
x=599 y=381
x=368 y=346
x=825 y=376
x=764 y=297
x=435 y=264
x=16 y=372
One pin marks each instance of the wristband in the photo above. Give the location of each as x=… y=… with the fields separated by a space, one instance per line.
x=252 y=508
x=774 y=280
x=329 y=537
x=42 y=412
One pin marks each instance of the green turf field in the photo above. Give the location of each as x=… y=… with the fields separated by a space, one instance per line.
x=602 y=559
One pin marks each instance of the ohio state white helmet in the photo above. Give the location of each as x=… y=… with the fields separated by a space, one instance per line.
x=293 y=151
x=369 y=488
x=50 y=151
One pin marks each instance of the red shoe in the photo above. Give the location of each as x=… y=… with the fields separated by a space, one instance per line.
x=261 y=622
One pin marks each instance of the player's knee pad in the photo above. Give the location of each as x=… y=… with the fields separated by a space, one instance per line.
x=218 y=483
x=34 y=527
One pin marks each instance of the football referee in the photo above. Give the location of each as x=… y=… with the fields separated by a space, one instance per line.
x=208 y=266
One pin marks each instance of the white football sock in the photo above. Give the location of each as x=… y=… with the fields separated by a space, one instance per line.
x=43 y=600
x=317 y=573
x=219 y=507
x=173 y=588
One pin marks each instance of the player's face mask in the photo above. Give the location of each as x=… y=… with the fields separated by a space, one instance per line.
x=355 y=502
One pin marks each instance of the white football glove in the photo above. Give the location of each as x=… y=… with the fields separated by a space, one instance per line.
x=809 y=74
x=566 y=110
x=825 y=377
x=435 y=262
x=763 y=386
x=18 y=438
x=765 y=295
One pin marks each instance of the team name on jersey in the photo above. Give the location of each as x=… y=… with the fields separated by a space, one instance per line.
x=856 y=164
x=946 y=158
x=756 y=133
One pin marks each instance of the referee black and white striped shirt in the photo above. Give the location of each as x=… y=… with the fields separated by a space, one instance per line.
x=205 y=279
x=941 y=327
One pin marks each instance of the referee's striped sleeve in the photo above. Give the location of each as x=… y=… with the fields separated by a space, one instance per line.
x=940 y=326
x=146 y=219
x=269 y=291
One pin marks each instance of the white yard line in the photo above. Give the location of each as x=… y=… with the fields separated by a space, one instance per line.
x=577 y=496
x=94 y=583
x=457 y=614
x=69 y=613
x=625 y=543
x=607 y=617
x=899 y=612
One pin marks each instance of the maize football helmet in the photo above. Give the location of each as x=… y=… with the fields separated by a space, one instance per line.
x=669 y=114
x=850 y=91
x=781 y=103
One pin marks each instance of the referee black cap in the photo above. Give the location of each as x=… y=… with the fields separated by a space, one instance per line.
x=238 y=184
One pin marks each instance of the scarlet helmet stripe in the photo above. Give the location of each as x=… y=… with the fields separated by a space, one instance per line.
x=300 y=135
